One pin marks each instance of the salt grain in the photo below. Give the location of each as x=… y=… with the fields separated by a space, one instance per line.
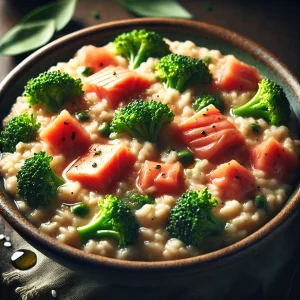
x=53 y=293
x=2 y=237
x=7 y=244
x=7 y=238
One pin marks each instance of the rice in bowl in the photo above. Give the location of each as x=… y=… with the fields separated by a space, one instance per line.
x=240 y=213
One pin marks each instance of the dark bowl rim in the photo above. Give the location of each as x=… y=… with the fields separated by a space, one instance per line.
x=250 y=243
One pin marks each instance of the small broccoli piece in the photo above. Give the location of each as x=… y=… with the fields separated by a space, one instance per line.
x=142 y=120
x=137 y=201
x=52 y=89
x=269 y=103
x=208 y=99
x=192 y=219
x=206 y=60
x=179 y=71
x=37 y=183
x=138 y=45
x=22 y=128
x=115 y=219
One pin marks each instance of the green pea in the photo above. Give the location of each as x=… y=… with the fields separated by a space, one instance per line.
x=255 y=128
x=104 y=129
x=260 y=201
x=80 y=210
x=82 y=116
x=185 y=157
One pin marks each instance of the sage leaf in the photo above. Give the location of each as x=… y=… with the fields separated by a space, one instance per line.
x=25 y=37
x=156 y=8
x=61 y=12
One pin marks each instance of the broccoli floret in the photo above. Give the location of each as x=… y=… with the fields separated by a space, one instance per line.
x=208 y=99
x=142 y=120
x=137 y=201
x=52 y=89
x=269 y=103
x=115 y=219
x=37 y=183
x=179 y=71
x=192 y=219
x=138 y=45
x=22 y=128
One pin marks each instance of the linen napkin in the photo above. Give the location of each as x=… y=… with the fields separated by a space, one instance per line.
x=49 y=280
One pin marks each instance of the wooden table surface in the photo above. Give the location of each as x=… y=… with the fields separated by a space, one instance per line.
x=273 y=24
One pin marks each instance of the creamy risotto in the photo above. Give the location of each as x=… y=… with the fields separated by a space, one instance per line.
x=229 y=160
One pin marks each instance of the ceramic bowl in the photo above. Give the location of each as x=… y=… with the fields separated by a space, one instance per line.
x=226 y=264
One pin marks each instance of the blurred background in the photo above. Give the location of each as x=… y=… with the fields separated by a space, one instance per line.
x=273 y=24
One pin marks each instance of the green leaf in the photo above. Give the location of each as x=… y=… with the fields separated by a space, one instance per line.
x=26 y=37
x=156 y=8
x=38 y=27
x=61 y=12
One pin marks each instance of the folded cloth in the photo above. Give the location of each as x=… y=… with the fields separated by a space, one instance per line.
x=49 y=280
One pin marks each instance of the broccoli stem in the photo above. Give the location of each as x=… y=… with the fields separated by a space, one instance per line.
x=139 y=58
x=99 y=235
x=253 y=108
x=57 y=180
x=97 y=229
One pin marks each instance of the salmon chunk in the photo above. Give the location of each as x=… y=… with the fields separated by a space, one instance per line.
x=161 y=178
x=209 y=134
x=233 y=180
x=116 y=84
x=96 y=58
x=274 y=159
x=236 y=75
x=66 y=135
x=102 y=166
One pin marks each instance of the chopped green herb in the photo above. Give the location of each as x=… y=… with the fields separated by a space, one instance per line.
x=87 y=71
x=95 y=14
x=260 y=201
x=94 y=165
x=104 y=129
x=80 y=210
x=255 y=128
x=82 y=116
x=157 y=167
x=98 y=152
x=185 y=157
x=206 y=60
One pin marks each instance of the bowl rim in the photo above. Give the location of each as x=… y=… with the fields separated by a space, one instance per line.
x=250 y=243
